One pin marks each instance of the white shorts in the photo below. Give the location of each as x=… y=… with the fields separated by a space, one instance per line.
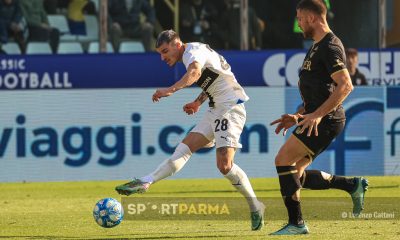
x=222 y=125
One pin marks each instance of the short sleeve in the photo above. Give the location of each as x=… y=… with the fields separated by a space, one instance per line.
x=194 y=55
x=334 y=59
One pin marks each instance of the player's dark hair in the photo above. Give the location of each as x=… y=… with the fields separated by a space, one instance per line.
x=166 y=37
x=315 y=6
x=351 y=52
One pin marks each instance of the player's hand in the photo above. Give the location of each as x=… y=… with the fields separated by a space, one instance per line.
x=285 y=122
x=191 y=108
x=160 y=93
x=310 y=121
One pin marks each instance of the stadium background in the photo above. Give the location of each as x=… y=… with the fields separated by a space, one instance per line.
x=90 y=116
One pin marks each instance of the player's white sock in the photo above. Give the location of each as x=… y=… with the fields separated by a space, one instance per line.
x=171 y=165
x=241 y=182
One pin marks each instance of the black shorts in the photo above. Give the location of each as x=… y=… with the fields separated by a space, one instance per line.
x=327 y=131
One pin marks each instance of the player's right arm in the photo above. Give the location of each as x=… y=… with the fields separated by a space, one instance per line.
x=287 y=121
x=191 y=76
x=193 y=107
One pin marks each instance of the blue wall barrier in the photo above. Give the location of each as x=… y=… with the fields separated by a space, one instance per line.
x=56 y=131
x=258 y=68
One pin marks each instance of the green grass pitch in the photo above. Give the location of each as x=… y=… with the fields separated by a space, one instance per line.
x=63 y=210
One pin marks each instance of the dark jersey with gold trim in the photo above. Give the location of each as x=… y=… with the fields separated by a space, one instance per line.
x=324 y=58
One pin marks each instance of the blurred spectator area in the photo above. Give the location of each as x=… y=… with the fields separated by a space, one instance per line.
x=77 y=22
x=393 y=23
x=356 y=22
x=216 y=22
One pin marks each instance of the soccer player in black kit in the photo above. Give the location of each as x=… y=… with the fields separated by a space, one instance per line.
x=324 y=84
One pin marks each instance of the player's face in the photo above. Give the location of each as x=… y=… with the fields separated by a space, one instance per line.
x=304 y=19
x=169 y=52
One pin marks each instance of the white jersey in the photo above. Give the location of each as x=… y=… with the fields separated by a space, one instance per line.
x=217 y=79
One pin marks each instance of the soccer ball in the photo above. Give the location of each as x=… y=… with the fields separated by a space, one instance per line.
x=108 y=212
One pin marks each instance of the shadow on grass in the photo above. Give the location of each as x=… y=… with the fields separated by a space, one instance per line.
x=127 y=237
x=256 y=189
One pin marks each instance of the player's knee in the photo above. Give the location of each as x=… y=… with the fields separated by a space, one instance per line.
x=224 y=168
x=300 y=169
x=280 y=160
x=224 y=161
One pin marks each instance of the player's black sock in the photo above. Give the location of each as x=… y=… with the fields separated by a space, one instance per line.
x=313 y=179
x=290 y=183
x=294 y=211
x=343 y=183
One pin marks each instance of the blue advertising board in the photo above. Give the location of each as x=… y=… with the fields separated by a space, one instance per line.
x=253 y=68
x=91 y=117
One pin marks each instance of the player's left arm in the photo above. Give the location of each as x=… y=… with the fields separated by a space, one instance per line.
x=191 y=76
x=193 y=107
x=342 y=90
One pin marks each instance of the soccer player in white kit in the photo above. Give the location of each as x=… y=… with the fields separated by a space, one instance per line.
x=222 y=124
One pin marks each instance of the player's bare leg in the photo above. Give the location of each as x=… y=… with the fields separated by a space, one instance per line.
x=240 y=181
x=192 y=142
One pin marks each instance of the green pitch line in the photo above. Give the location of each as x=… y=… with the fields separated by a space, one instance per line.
x=63 y=210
